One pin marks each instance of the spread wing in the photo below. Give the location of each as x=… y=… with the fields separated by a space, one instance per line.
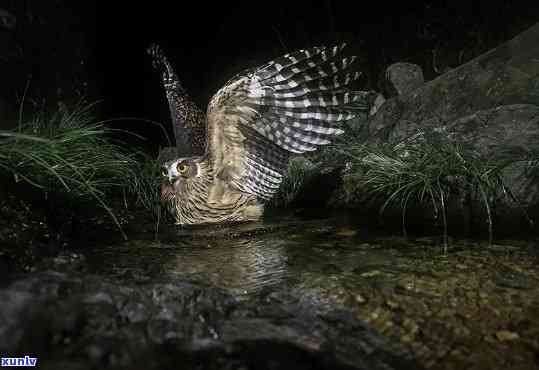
x=292 y=104
x=188 y=121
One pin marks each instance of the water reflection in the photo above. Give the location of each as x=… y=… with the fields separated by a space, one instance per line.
x=244 y=260
x=244 y=265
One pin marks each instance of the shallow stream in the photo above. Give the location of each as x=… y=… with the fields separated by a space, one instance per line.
x=472 y=306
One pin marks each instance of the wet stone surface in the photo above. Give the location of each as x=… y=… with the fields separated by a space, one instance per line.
x=81 y=321
x=287 y=294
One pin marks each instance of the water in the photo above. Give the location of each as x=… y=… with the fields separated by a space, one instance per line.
x=246 y=259
x=441 y=306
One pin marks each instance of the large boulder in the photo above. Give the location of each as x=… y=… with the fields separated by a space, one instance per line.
x=402 y=78
x=490 y=103
x=506 y=75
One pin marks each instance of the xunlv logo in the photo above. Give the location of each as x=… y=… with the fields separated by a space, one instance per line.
x=18 y=361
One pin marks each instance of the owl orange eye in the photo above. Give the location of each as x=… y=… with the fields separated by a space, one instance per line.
x=164 y=173
x=182 y=168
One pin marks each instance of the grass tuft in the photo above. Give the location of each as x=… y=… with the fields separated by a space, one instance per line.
x=144 y=185
x=69 y=153
x=429 y=168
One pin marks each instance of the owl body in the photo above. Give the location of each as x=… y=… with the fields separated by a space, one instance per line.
x=253 y=125
x=193 y=195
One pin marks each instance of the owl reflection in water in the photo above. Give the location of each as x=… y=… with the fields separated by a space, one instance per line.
x=234 y=157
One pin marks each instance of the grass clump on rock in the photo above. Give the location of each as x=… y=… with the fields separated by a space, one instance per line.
x=429 y=168
x=72 y=154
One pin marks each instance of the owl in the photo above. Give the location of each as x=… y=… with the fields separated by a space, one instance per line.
x=232 y=159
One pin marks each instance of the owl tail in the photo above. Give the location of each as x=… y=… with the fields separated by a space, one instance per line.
x=188 y=120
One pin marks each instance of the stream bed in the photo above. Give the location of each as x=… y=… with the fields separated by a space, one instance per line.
x=322 y=294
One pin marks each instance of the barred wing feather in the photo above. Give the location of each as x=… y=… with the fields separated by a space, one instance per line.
x=290 y=105
x=189 y=122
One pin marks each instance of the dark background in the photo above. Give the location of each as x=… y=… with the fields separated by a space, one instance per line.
x=67 y=49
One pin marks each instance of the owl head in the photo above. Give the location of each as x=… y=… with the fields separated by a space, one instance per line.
x=181 y=170
x=185 y=186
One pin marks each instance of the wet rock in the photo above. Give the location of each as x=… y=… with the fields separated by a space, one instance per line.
x=402 y=78
x=506 y=335
x=14 y=307
x=505 y=75
x=489 y=104
x=378 y=102
x=501 y=132
x=360 y=299
x=510 y=278
x=346 y=233
x=63 y=318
